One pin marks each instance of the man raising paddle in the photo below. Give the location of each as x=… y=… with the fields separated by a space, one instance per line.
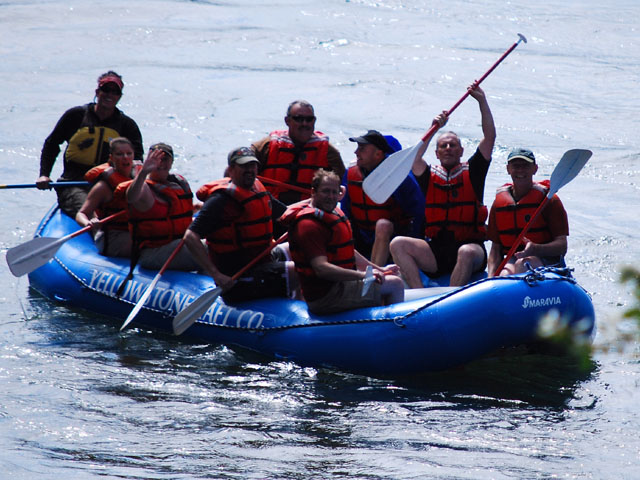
x=454 y=213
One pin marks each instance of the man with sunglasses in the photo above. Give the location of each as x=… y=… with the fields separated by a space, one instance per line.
x=292 y=156
x=87 y=129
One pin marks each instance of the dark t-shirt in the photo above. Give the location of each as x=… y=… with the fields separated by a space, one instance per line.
x=70 y=122
x=221 y=210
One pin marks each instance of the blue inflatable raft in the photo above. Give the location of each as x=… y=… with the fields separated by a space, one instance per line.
x=445 y=328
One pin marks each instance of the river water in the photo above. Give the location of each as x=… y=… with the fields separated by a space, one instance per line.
x=80 y=400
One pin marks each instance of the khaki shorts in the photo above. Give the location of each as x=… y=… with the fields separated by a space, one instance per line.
x=71 y=199
x=346 y=296
x=117 y=242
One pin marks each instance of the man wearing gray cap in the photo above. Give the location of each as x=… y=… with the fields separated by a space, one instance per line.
x=237 y=222
x=515 y=203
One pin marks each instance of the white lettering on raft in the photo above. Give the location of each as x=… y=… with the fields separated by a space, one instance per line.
x=540 y=302
x=170 y=300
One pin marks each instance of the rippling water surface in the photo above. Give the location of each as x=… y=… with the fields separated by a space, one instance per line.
x=79 y=400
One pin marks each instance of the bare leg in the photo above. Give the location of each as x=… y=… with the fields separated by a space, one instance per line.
x=392 y=290
x=412 y=255
x=380 y=249
x=470 y=257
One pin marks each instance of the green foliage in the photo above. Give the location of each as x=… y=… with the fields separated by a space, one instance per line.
x=632 y=275
x=573 y=340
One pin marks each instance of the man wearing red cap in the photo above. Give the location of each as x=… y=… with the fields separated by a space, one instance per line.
x=87 y=129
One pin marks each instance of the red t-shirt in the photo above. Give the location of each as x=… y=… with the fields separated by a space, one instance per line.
x=312 y=238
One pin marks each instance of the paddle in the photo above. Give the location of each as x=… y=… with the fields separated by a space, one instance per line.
x=568 y=167
x=51 y=185
x=200 y=305
x=383 y=181
x=368 y=280
x=278 y=183
x=25 y=258
x=151 y=286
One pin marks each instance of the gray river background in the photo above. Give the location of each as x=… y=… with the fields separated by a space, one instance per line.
x=79 y=400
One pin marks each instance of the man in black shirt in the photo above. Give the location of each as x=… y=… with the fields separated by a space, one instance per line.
x=237 y=222
x=87 y=129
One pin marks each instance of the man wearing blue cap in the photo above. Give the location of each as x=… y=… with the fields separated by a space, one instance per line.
x=374 y=225
x=513 y=208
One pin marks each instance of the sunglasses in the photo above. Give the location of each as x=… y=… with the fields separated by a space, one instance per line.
x=111 y=90
x=303 y=118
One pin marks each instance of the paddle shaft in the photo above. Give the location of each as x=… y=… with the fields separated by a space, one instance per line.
x=51 y=185
x=28 y=256
x=187 y=317
x=278 y=183
x=435 y=126
x=260 y=256
x=151 y=286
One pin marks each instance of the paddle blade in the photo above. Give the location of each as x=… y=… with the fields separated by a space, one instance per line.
x=383 y=181
x=193 y=312
x=368 y=280
x=27 y=257
x=568 y=168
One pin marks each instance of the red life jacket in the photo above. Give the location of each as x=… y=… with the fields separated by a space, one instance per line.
x=512 y=216
x=112 y=178
x=253 y=229
x=452 y=205
x=295 y=166
x=164 y=221
x=340 y=250
x=364 y=211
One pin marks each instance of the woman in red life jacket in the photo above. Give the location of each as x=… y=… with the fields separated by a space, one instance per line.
x=112 y=239
x=546 y=241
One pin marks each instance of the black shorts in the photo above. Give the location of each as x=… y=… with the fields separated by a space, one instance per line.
x=445 y=250
x=267 y=279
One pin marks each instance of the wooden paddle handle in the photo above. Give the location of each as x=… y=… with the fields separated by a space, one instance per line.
x=434 y=128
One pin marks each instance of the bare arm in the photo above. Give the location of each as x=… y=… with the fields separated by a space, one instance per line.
x=139 y=194
x=557 y=246
x=334 y=273
x=199 y=252
x=98 y=195
x=419 y=163
x=488 y=127
x=496 y=255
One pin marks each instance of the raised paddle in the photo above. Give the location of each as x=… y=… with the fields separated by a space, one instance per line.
x=151 y=286
x=25 y=258
x=288 y=186
x=51 y=185
x=568 y=167
x=383 y=181
x=200 y=305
